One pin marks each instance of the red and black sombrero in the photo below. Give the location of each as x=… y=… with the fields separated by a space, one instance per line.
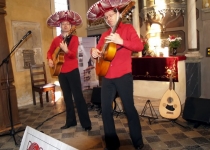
x=68 y=15
x=97 y=10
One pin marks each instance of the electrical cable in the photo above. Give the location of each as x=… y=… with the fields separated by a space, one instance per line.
x=49 y=119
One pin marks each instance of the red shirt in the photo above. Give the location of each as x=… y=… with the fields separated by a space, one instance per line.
x=70 y=58
x=121 y=64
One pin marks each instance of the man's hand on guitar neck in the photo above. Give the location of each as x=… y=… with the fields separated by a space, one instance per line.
x=95 y=53
x=114 y=38
x=64 y=47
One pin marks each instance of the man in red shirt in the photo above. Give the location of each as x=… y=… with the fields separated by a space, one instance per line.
x=119 y=75
x=69 y=77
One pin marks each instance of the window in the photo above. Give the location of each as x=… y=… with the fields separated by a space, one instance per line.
x=60 y=5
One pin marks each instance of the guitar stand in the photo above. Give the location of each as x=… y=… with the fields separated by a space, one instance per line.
x=99 y=111
x=120 y=111
x=153 y=115
x=174 y=121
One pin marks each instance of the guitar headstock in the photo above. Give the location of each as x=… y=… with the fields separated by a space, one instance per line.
x=72 y=30
x=128 y=10
x=172 y=74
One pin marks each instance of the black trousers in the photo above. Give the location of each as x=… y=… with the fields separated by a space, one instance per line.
x=124 y=87
x=71 y=85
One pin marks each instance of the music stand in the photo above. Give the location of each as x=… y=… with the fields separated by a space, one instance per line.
x=6 y=61
x=12 y=131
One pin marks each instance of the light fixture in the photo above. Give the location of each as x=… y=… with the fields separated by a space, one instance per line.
x=207 y=4
x=161 y=8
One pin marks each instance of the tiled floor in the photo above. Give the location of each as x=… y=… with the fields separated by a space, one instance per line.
x=159 y=135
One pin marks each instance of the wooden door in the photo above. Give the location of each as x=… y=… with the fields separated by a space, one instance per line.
x=7 y=95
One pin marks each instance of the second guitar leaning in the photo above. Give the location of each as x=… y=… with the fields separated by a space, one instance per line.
x=170 y=105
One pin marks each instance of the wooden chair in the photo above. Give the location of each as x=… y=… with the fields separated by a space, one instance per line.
x=39 y=83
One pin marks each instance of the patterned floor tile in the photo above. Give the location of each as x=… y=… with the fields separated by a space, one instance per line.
x=153 y=139
x=172 y=144
x=179 y=136
x=201 y=140
x=157 y=135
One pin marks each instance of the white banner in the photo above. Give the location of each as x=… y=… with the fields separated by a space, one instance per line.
x=88 y=75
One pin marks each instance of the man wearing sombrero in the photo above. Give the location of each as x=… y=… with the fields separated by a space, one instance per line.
x=69 y=77
x=119 y=75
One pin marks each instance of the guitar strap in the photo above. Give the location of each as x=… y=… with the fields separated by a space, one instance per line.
x=68 y=39
x=119 y=48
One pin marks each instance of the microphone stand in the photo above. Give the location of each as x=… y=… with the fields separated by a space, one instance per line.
x=6 y=61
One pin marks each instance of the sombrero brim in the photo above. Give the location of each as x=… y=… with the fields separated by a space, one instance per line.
x=97 y=10
x=55 y=19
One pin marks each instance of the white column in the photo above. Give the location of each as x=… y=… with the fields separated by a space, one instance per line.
x=144 y=3
x=193 y=54
x=136 y=23
x=192 y=32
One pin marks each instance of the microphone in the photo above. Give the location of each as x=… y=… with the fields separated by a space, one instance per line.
x=25 y=36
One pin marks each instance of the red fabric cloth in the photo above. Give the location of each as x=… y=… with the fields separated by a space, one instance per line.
x=155 y=68
x=121 y=64
x=70 y=58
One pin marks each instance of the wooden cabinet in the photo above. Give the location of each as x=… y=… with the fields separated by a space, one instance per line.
x=7 y=95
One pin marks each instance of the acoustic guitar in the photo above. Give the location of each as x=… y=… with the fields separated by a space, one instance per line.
x=109 y=50
x=58 y=56
x=170 y=105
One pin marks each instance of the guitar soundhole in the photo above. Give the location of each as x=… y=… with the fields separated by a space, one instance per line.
x=170 y=100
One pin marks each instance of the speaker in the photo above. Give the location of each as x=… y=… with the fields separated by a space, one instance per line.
x=197 y=109
x=96 y=95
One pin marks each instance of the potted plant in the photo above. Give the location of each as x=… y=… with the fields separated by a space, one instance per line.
x=174 y=43
x=146 y=47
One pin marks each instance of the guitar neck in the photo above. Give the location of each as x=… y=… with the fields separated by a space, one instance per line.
x=65 y=38
x=113 y=31
x=127 y=9
x=72 y=30
x=171 y=82
x=116 y=25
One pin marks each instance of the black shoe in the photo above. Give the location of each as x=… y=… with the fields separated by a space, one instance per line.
x=140 y=147
x=67 y=126
x=88 y=128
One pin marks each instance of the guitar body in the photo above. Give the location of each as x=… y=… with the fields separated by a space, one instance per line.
x=58 y=60
x=170 y=106
x=102 y=63
x=110 y=52
x=102 y=67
